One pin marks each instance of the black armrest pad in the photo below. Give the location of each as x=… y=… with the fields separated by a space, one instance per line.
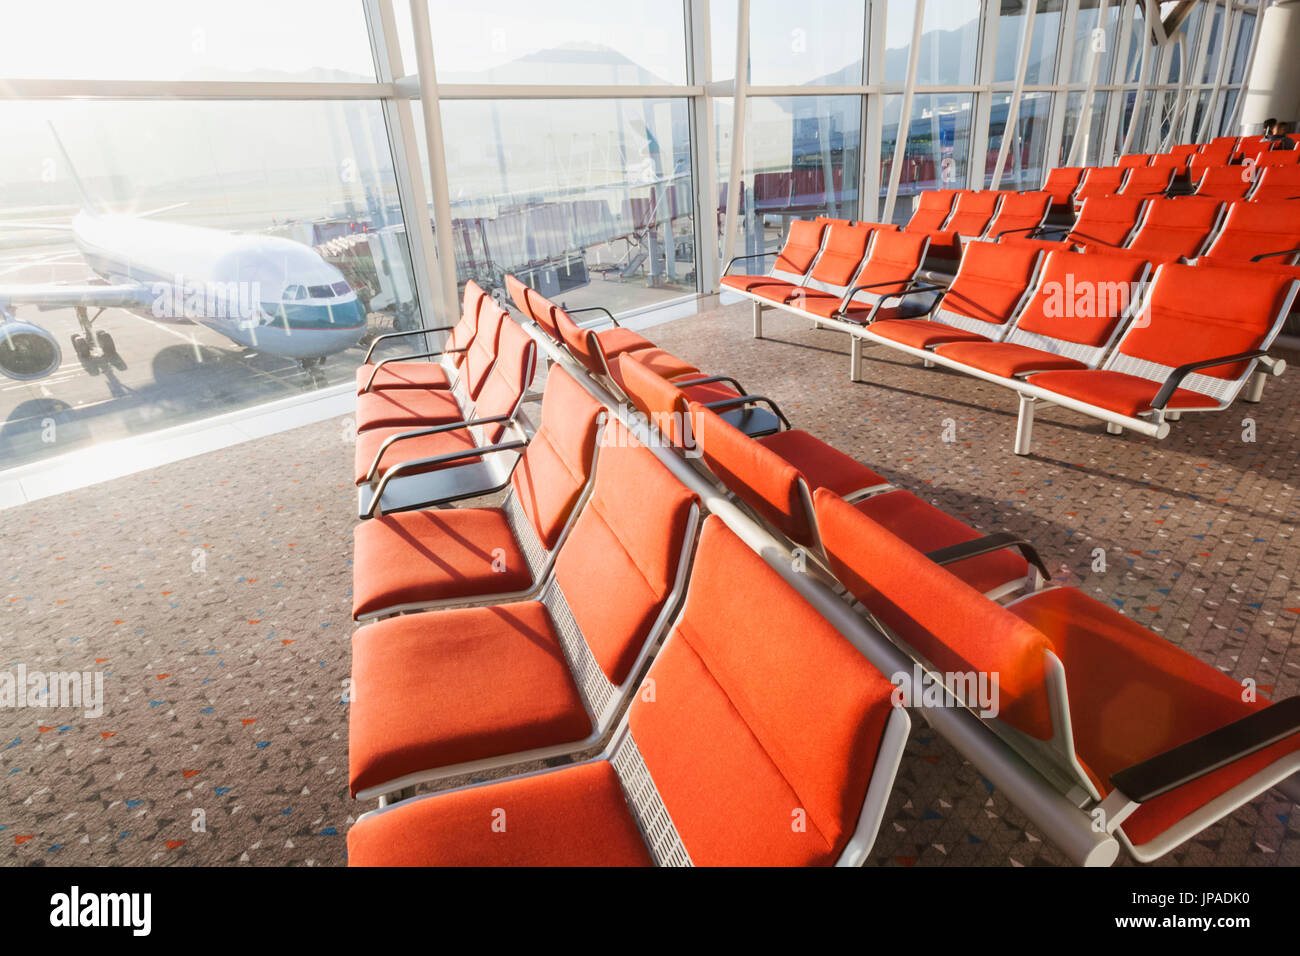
x=986 y=545
x=1196 y=758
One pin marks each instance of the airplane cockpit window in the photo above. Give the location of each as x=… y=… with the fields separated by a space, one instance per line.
x=341 y=287
x=320 y=292
x=294 y=292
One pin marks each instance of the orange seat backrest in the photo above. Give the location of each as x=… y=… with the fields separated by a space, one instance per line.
x=518 y=293
x=551 y=475
x=801 y=246
x=895 y=259
x=509 y=378
x=1020 y=211
x=1276 y=183
x=757 y=475
x=462 y=335
x=1206 y=311
x=1081 y=298
x=991 y=280
x=1172 y=228
x=1225 y=182
x=933 y=209
x=1107 y=220
x=618 y=565
x=973 y=211
x=947 y=622
x=581 y=343
x=483 y=350
x=845 y=246
x=1062 y=182
x=1147 y=181
x=1133 y=159
x=1254 y=228
x=746 y=725
x=1101 y=181
x=657 y=398
x=1279 y=157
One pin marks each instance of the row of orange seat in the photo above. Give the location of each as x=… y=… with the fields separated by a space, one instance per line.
x=759 y=735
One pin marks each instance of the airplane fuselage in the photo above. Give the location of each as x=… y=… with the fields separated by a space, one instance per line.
x=262 y=292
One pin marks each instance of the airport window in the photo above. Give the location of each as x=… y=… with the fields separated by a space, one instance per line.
x=937 y=154
x=588 y=200
x=306 y=41
x=144 y=211
x=1041 y=62
x=809 y=44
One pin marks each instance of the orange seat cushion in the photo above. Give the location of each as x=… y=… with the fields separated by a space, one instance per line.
x=922 y=333
x=406 y=406
x=417 y=557
x=414 y=374
x=410 y=449
x=1134 y=695
x=926 y=528
x=616 y=341
x=662 y=363
x=1004 y=358
x=760 y=759
x=571 y=817
x=746 y=283
x=444 y=687
x=821 y=464
x=1116 y=391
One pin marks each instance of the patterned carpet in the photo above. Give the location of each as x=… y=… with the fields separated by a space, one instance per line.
x=214 y=593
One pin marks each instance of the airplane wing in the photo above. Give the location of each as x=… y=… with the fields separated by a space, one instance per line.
x=89 y=295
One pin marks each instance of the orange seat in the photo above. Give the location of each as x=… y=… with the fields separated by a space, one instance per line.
x=971 y=215
x=441 y=688
x=1228 y=183
x=1020 y=213
x=985 y=295
x=892 y=264
x=1184 y=321
x=1107 y=220
x=574 y=816
x=802 y=244
x=503 y=682
x=1255 y=228
x=1100 y=181
x=1175 y=228
x=1131 y=695
x=1060 y=328
x=422 y=374
x=455 y=442
x=1147 y=181
x=742 y=731
x=1061 y=184
x=418 y=558
x=932 y=210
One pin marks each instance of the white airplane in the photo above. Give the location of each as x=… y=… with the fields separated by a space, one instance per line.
x=262 y=292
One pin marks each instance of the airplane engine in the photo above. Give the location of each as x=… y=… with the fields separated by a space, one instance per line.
x=27 y=351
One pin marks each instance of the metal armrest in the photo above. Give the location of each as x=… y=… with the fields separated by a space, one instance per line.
x=397 y=335
x=431 y=430
x=725 y=403
x=756 y=255
x=406 y=466
x=709 y=380
x=595 y=308
x=1029 y=229
x=911 y=287
x=1167 y=771
x=1177 y=375
x=986 y=545
x=404 y=358
x=1268 y=255
x=1063 y=230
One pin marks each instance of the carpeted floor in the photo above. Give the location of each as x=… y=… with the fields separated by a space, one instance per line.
x=214 y=593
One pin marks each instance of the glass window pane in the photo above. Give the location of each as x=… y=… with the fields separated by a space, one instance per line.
x=1041 y=64
x=950 y=35
x=1138 y=42
x=1210 y=68
x=802 y=156
x=1241 y=47
x=581 y=41
x=1110 y=39
x=937 y=155
x=589 y=201
x=1223 y=114
x=1023 y=168
x=900 y=16
x=722 y=40
x=811 y=43
x=243 y=252
x=1091 y=150
x=297 y=40
x=1082 y=43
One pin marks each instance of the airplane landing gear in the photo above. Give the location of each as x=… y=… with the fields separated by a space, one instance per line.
x=93 y=346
